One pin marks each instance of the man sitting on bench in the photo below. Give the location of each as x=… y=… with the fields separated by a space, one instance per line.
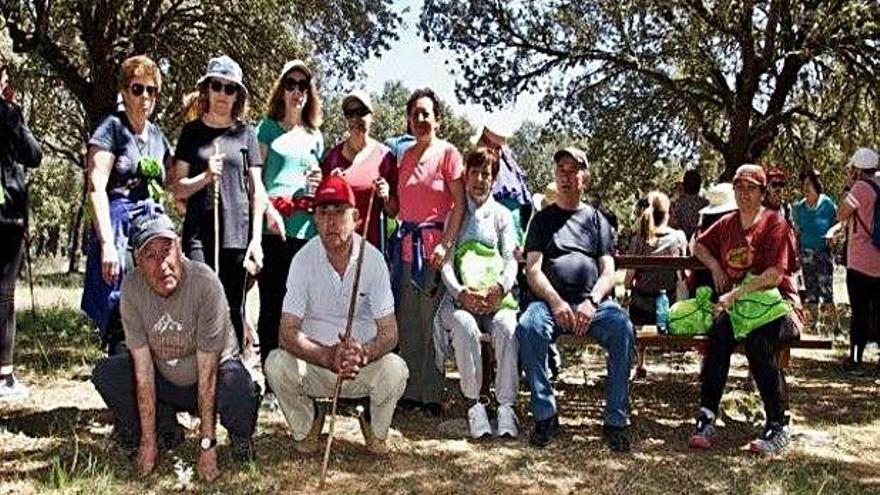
x=570 y=270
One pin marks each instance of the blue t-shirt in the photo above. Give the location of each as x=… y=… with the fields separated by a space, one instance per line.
x=115 y=135
x=813 y=223
x=572 y=241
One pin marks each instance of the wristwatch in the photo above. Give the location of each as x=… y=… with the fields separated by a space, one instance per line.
x=207 y=443
x=592 y=300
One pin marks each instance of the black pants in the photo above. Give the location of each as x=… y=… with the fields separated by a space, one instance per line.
x=864 y=326
x=233 y=277
x=236 y=398
x=762 y=346
x=277 y=255
x=11 y=254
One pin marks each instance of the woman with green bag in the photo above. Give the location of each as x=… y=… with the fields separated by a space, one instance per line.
x=758 y=242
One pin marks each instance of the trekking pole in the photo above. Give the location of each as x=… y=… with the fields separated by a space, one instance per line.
x=216 y=216
x=348 y=326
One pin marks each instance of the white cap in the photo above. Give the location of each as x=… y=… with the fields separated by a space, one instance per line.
x=864 y=159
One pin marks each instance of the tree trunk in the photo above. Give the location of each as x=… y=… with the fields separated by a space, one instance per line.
x=74 y=244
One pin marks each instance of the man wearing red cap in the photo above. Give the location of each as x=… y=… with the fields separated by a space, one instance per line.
x=311 y=354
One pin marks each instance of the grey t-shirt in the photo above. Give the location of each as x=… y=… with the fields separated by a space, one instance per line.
x=195 y=317
x=195 y=147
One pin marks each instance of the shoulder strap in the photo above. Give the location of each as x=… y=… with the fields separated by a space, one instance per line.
x=876 y=189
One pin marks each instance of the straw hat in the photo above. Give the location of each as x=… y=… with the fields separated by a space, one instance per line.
x=721 y=199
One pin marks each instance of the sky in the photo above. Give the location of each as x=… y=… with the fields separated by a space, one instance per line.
x=407 y=61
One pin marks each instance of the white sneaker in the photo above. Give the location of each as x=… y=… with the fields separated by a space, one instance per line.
x=10 y=388
x=478 y=421
x=507 y=422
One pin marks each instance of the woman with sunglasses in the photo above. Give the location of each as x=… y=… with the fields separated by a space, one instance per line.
x=126 y=161
x=292 y=144
x=432 y=206
x=219 y=149
x=365 y=163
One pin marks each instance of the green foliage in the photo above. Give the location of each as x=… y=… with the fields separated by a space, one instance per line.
x=668 y=78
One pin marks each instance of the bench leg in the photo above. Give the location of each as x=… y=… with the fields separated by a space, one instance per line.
x=487 y=356
x=641 y=371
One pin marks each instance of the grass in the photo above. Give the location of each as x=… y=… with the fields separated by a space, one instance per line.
x=58 y=440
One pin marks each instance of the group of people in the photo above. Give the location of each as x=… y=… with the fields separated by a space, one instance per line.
x=468 y=258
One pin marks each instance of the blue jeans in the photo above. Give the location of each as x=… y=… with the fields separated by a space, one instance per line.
x=610 y=327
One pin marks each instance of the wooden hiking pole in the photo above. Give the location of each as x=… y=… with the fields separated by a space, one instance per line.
x=348 y=326
x=216 y=215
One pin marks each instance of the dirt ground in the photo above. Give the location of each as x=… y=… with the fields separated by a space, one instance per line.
x=58 y=439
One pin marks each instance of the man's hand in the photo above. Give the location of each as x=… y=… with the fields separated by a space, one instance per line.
x=253 y=257
x=148 y=452
x=348 y=358
x=563 y=314
x=583 y=316
x=207 y=465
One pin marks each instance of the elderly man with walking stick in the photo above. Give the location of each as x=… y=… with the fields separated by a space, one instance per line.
x=314 y=352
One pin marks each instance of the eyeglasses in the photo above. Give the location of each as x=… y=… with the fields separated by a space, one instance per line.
x=228 y=88
x=359 y=112
x=778 y=185
x=291 y=83
x=138 y=89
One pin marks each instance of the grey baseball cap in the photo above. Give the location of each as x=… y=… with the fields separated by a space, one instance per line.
x=575 y=153
x=149 y=226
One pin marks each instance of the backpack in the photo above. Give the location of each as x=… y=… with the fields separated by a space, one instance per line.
x=875 y=232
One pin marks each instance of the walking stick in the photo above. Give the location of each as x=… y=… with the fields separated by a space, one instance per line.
x=216 y=216
x=347 y=336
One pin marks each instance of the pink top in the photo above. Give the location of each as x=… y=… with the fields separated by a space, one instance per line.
x=423 y=190
x=861 y=253
x=377 y=162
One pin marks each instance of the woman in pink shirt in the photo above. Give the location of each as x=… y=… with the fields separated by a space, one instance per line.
x=431 y=196
x=862 y=257
x=365 y=163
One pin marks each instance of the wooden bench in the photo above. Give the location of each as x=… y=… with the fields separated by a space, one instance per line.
x=647 y=336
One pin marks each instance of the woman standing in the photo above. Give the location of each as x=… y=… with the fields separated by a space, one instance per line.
x=127 y=160
x=432 y=205
x=292 y=144
x=857 y=209
x=18 y=149
x=814 y=216
x=365 y=163
x=220 y=150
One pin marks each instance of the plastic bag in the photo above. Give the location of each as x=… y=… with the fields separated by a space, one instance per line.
x=692 y=316
x=756 y=309
x=478 y=266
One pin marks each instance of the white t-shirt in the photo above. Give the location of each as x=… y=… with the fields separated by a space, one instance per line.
x=320 y=298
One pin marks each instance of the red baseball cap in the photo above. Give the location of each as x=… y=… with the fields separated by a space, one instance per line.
x=334 y=190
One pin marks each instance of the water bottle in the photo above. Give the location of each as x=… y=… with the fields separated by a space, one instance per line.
x=662 y=312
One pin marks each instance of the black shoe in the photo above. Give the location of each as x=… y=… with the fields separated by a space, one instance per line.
x=409 y=405
x=615 y=437
x=433 y=409
x=171 y=439
x=544 y=432
x=242 y=448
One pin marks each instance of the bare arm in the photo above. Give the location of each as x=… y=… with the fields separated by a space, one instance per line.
x=292 y=340
x=605 y=284
x=453 y=224
x=183 y=186
x=385 y=340
x=145 y=383
x=260 y=200
x=207 y=363
x=538 y=282
x=100 y=163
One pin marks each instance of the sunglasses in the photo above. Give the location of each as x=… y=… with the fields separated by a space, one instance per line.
x=779 y=185
x=138 y=89
x=359 y=112
x=291 y=83
x=228 y=88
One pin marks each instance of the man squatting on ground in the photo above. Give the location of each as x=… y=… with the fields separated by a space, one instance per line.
x=314 y=313
x=184 y=353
